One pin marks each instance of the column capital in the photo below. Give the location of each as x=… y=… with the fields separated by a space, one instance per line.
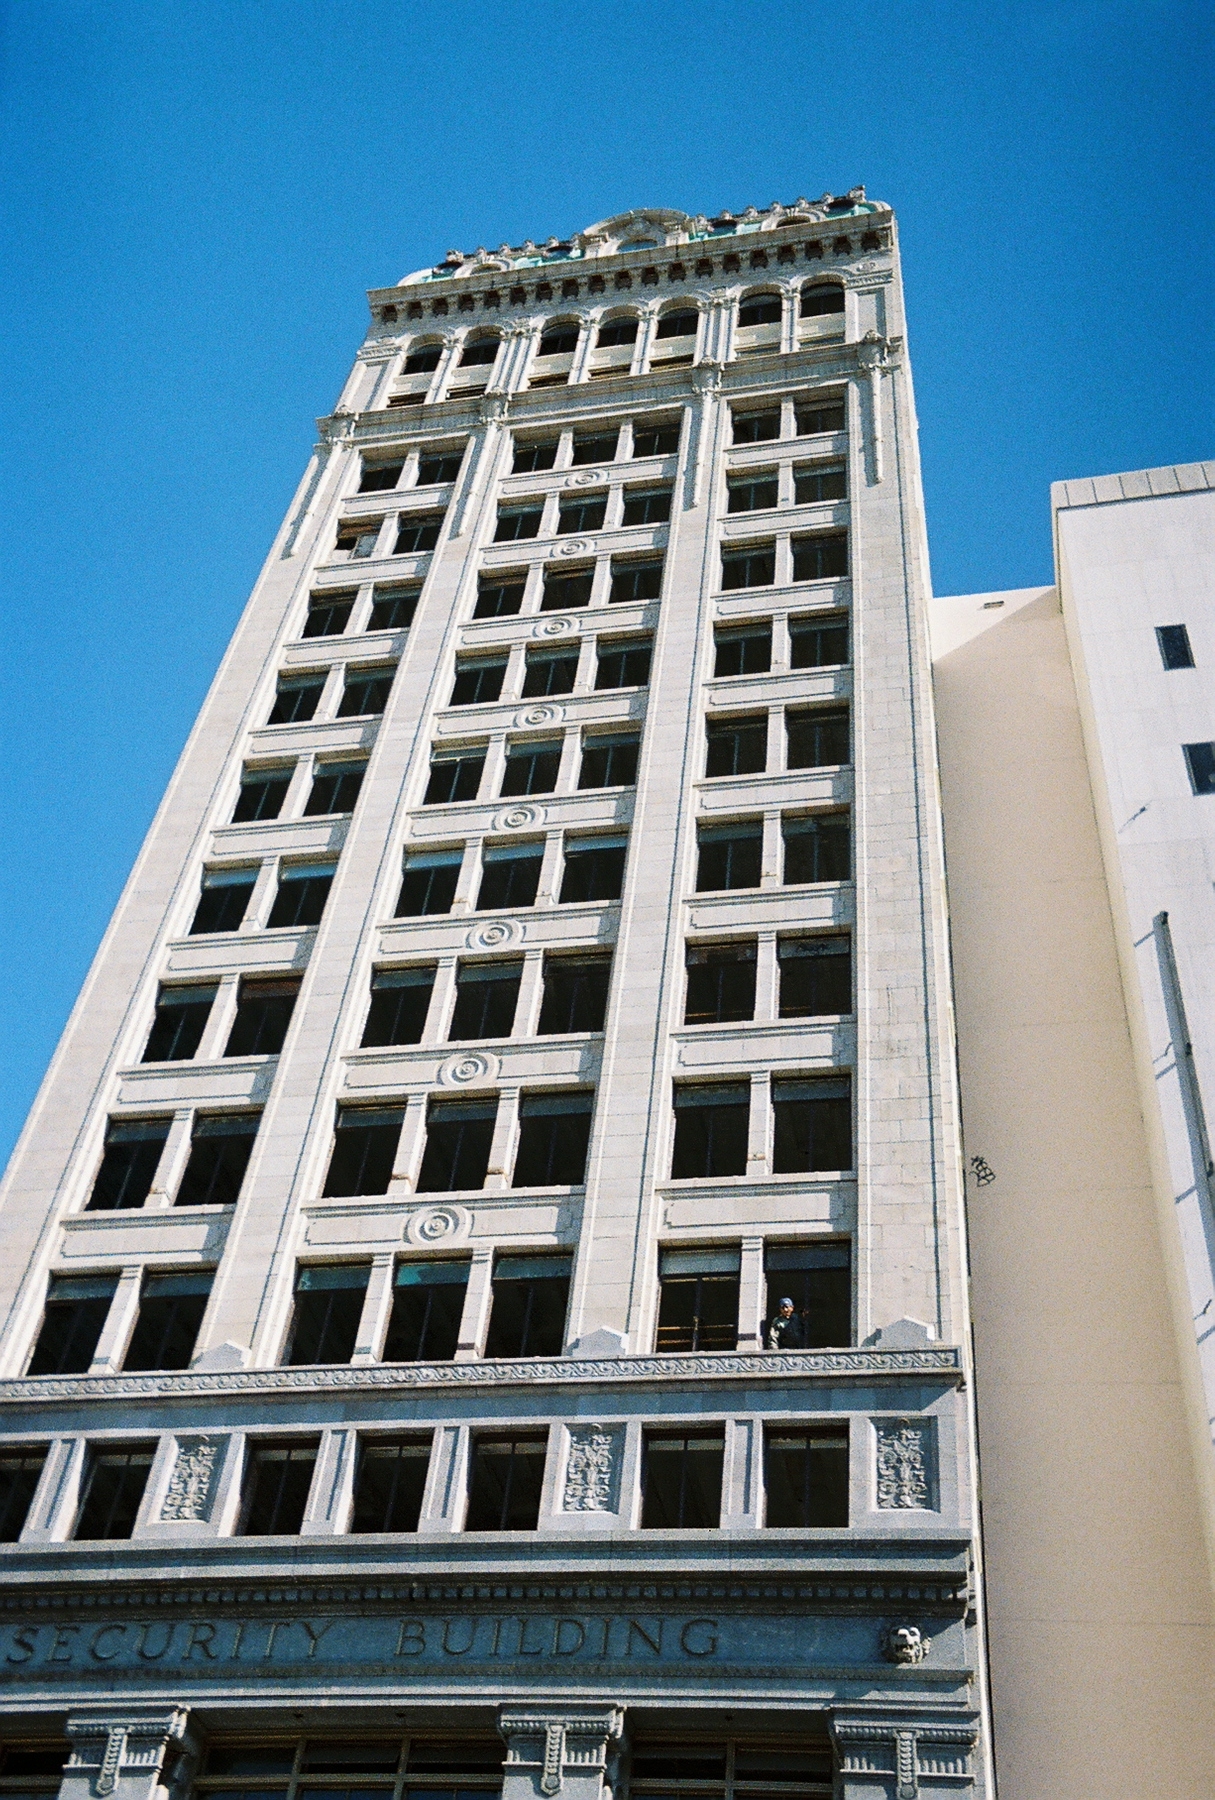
x=569 y=1741
x=109 y=1748
x=905 y=1748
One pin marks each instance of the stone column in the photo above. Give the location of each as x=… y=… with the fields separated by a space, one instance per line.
x=136 y=1754
x=572 y=1751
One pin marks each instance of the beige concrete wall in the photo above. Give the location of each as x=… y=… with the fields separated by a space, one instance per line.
x=1100 y=1614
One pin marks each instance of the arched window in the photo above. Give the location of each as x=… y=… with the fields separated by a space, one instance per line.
x=823 y=297
x=559 y=338
x=479 y=350
x=759 y=309
x=617 y=331
x=422 y=358
x=680 y=322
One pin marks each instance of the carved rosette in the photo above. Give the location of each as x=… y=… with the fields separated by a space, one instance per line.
x=438 y=1224
x=540 y=715
x=190 y=1491
x=554 y=627
x=572 y=547
x=904 y=1464
x=468 y=1068
x=517 y=818
x=495 y=935
x=592 y=1470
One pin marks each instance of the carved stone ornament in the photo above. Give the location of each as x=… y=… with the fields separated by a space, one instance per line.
x=572 y=547
x=518 y=818
x=439 y=1225
x=592 y=1470
x=552 y=1742
x=540 y=715
x=137 y=1741
x=905 y=1644
x=583 y=478
x=494 y=934
x=468 y=1068
x=554 y=627
x=904 y=1456
x=190 y=1491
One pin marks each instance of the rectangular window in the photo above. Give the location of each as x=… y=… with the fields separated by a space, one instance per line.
x=554 y=1131
x=634 y=580
x=296 y=701
x=424 y=360
x=358 y=539
x=531 y=768
x=516 y=523
x=427 y=1306
x=656 y=440
x=812 y=1125
x=749 y=568
x=575 y=994
x=400 y=1001
x=564 y=593
x=365 y=693
x=20 y=1471
x=729 y=856
x=818 y=739
x=1200 y=761
x=417 y=533
x=76 y=1309
x=302 y=892
x=328 y=614
x=623 y=663
x=171 y=1309
x=428 y=882
x=594 y=869
x=128 y=1164
x=263 y=1013
x=220 y=1148
x=389 y=1481
x=531 y=458
x=609 y=761
x=814 y=417
x=616 y=332
x=364 y=1149
x=499 y=598
x=392 y=609
x=379 y=477
x=756 y=427
x=755 y=491
x=817 y=848
x=681 y=1480
x=177 y=1028
x=805 y=1477
x=815 y=976
x=530 y=1296
x=818 y=644
x=115 y=1476
x=737 y=746
x=224 y=900
x=813 y=483
x=809 y=1296
x=581 y=513
x=459 y=1135
x=510 y=875
x=698 y=1299
x=646 y=506
x=454 y=778
x=721 y=983
x=711 y=1130
x=594 y=447
x=743 y=649
x=439 y=466
x=478 y=683
x=278 y=1478
x=328 y=1307
x=820 y=558
x=548 y=672
x=486 y=996
x=335 y=788
x=505 y=1482
x=1174 y=643
x=261 y=795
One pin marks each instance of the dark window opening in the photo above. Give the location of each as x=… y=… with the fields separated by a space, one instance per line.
x=812 y=1125
x=649 y=507
x=549 y=674
x=296 y=702
x=616 y=331
x=534 y=457
x=559 y=340
x=486 y=996
x=748 y=568
x=581 y=514
x=364 y=1149
x=743 y=650
x=261 y=796
x=328 y=1307
x=698 y=1300
x=815 y=646
x=428 y=884
x=721 y=983
x=656 y=440
x=681 y=1480
x=515 y=523
x=575 y=994
x=621 y=665
x=301 y=897
x=819 y=739
x=278 y=1478
x=815 y=976
x=112 y=1489
x=554 y=1131
x=128 y=1164
x=76 y=1310
x=609 y=762
x=763 y=309
x=171 y=1309
x=480 y=353
x=220 y=1148
x=328 y=614
x=593 y=448
x=439 y=467
x=530 y=1294
x=562 y=593
x=810 y=485
x=427 y=1306
x=19 y=1474
x=635 y=581
x=1200 y=761
x=828 y=298
x=389 y=1483
x=756 y=427
x=510 y=875
x=531 y=768
x=817 y=848
x=392 y=609
x=818 y=416
x=400 y=1001
x=416 y=533
x=729 y=856
x=677 y=324
x=177 y=1028
x=380 y=476
x=499 y=599
x=459 y=1136
x=820 y=558
x=423 y=360
x=223 y=903
x=737 y=746
x=805 y=1477
x=753 y=492
x=505 y=1482
x=365 y=693
x=454 y=778
x=711 y=1124
x=358 y=541
x=263 y=1013
x=809 y=1296
x=335 y=788
x=594 y=870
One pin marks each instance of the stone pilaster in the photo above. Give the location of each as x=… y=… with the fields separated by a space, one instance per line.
x=134 y=1754
x=572 y=1751
x=887 y=1757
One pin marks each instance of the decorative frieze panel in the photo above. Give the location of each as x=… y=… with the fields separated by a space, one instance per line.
x=191 y=1490
x=905 y=1451
x=592 y=1469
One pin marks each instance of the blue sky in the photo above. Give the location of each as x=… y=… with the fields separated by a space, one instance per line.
x=195 y=198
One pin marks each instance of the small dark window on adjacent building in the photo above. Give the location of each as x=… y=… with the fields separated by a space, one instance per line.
x=439 y=466
x=656 y=440
x=721 y=983
x=510 y=875
x=428 y=882
x=261 y=795
x=594 y=869
x=530 y=1295
x=815 y=976
x=278 y=1478
x=378 y=477
x=575 y=994
x=729 y=856
x=499 y=599
x=1200 y=761
x=623 y=664
x=582 y=512
x=818 y=644
x=400 y=1000
x=609 y=761
x=76 y=1310
x=128 y=1164
x=486 y=996
x=392 y=609
x=827 y=298
x=365 y=692
x=635 y=581
x=296 y=702
x=423 y=360
x=530 y=458
x=820 y=558
x=302 y=893
x=358 y=539
x=427 y=1305
x=594 y=447
x=224 y=900
x=564 y=593
x=549 y=672
x=115 y=1476
x=505 y=1482
x=756 y=491
x=263 y=1013
x=743 y=649
x=814 y=417
x=814 y=484
x=813 y=1125
x=698 y=1299
x=459 y=1134
x=19 y=1474
x=646 y=506
x=389 y=1481
x=753 y=567
x=335 y=788
x=681 y=1480
x=805 y=1477
x=416 y=533
x=516 y=523
x=554 y=1130
x=737 y=746
x=220 y=1148
x=171 y=1309
x=328 y=1307
x=817 y=1279
x=364 y=1148
x=478 y=683
x=328 y=614
x=756 y=427
x=181 y=1014
x=818 y=739
x=817 y=848
x=454 y=778
x=710 y=1130
x=531 y=768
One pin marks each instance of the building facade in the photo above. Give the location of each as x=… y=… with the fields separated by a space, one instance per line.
x=485 y=1273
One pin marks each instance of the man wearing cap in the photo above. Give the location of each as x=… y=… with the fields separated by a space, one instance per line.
x=785 y=1329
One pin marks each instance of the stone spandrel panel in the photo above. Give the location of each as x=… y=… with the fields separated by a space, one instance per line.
x=905 y=1458
x=190 y=1494
x=592 y=1469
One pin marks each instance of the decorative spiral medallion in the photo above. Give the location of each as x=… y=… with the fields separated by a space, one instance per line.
x=494 y=934
x=572 y=547
x=517 y=818
x=540 y=715
x=468 y=1068
x=583 y=478
x=554 y=627
x=438 y=1224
